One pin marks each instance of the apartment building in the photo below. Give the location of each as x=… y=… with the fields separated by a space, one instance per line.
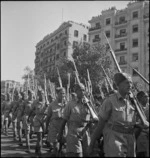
x=58 y=45
x=8 y=85
x=128 y=33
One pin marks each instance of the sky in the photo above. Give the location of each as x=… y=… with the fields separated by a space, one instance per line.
x=25 y=23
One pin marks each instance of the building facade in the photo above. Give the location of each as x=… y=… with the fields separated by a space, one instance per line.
x=8 y=85
x=128 y=33
x=58 y=45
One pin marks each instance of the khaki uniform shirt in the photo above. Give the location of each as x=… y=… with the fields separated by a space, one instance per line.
x=77 y=115
x=117 y=111
x=55 y=112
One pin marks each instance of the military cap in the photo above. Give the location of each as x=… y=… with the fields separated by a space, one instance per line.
x=30 y=92
x=60 y=89
x=141 y=94
x=41 y=91
x=80 y=86
x=120 y=77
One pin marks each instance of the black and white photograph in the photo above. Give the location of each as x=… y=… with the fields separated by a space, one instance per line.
x=75 y=78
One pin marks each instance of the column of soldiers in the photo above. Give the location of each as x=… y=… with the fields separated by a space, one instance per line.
x=71 y=126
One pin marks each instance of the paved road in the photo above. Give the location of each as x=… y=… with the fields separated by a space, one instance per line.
x=10 y=148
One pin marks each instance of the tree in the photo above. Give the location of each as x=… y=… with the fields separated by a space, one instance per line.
x=87 y=57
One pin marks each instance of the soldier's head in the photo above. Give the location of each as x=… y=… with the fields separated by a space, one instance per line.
x=40 y=95
x=123 y=82
x=61 y=93
x=80 y=90
x=30 y=94
x=50 y=98
x=7 y=97
x=23 y=95
x=142 y=97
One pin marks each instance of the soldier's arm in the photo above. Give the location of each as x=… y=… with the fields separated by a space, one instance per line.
x=49 y=115
x=104 y=114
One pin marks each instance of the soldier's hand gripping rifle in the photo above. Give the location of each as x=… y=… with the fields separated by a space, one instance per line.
x=107 y=78
x=132 y=97
x=141 y=76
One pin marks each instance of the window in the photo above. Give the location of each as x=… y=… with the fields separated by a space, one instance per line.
x=65 y=43
x=97 y=25
x=135 y=43
x=122 y=59
x=84 y=37
x=47 y=43
x=107 y=34
x=65 y=32
x=108 y=21
x=75 y=43
x=57 y=56
x=135 y=14
x=56 y=38
x=122 y=46
x=134 y=72
x=75 y=33
x=135 y=28
x=52 y=40
x=135 y=57
x=60 y=35
x=121 y=19
x=96 y=36
x=58 y=46
x=122 y=31
x=64 y=54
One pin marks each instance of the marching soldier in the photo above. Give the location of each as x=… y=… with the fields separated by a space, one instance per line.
x=2 y=112
x=142 y=140
x=26 y=124
x=7 y=105
x=117 y=121
x=40 y=109
x=54 y=119
x=19 y=116
x=77 y=116
x=14 y=110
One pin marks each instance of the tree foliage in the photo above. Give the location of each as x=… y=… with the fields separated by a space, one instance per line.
x=87 y=57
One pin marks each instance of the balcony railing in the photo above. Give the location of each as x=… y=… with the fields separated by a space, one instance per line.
x=119 y=50
x=146 y=16
x=122 y=63
x=96 y=40
x=121 y=22
x=121 y=35
x=94 y=28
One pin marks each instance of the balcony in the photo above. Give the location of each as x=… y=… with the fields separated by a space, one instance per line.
x=122 y=63
x=121 y=35
x=120 y=23
x=94 y=28
x=96 y=40
x=121 y=50
x=145 y=16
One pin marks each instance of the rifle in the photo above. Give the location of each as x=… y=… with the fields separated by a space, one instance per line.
x=107 y=78
x=13 y=91
x=45 y=90
x=90 y=106
x=131 y=95
x=68 y=86
x=141 y=76
x=59 y=78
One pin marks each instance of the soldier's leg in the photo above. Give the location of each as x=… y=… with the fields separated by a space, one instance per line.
x=6 y=126
x=39 y=143
x=19 y=128
x=14 y=129
x=28 y=137
x=2 y=123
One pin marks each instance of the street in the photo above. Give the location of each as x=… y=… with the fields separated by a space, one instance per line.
x=10 y=148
